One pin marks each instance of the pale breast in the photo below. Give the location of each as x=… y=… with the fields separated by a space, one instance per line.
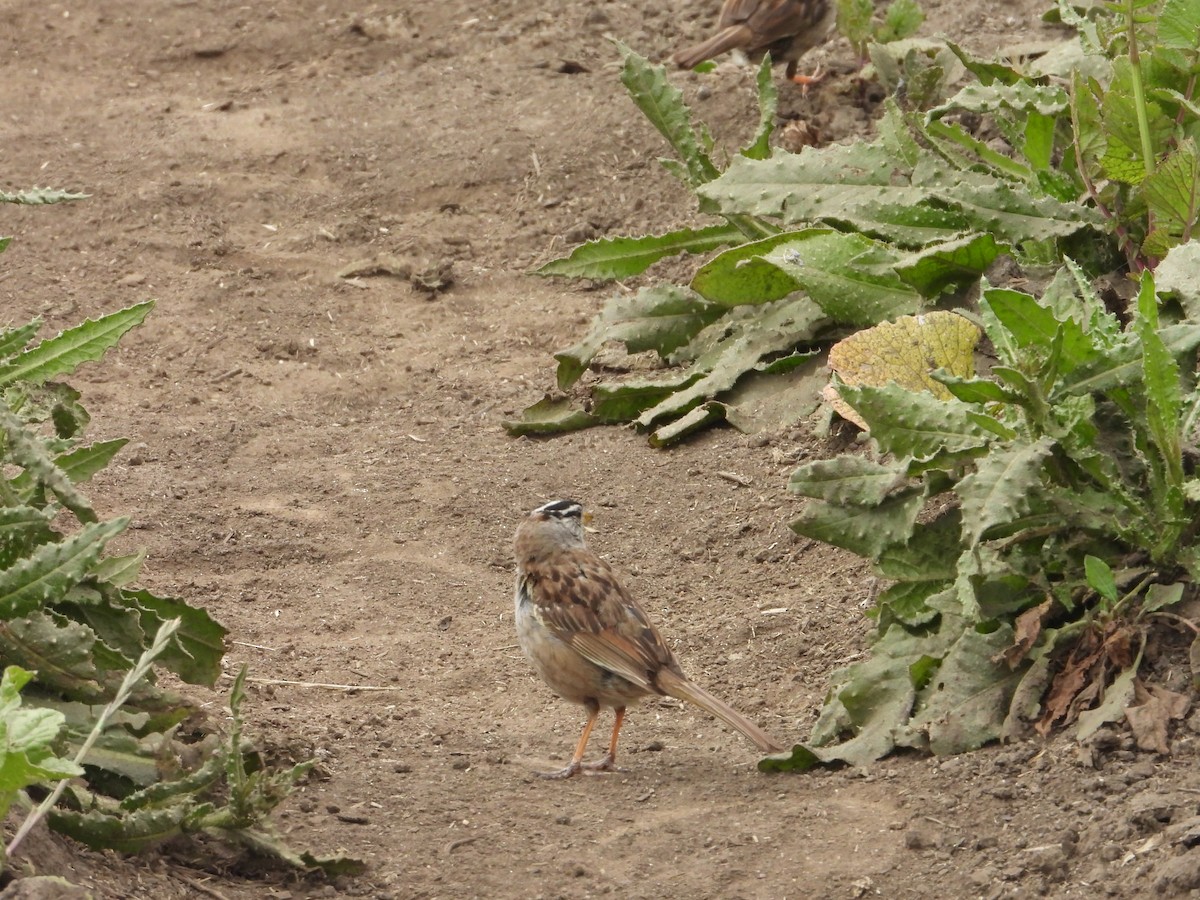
x=566 y=672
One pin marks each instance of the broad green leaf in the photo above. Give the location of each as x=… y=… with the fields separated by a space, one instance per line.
x=865 y=530
x=1160 y=376
x=930 y=553
x=80 y=465
x=937 y=267
x=1100 y=577
x=1172 y=192
x=906 y=602
x=52 y=569
x=1033 y=325
x=739 y=275
x=851 y=277
x=689 y=423
x=849 y=480
x=625 y=400
x=1160 y=596
x=1000 y=488
x=1019 y=96
x=63 y=354
x=625 y=257
x=1179 y=25
x=965 y=705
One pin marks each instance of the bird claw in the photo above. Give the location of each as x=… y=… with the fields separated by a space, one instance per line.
x=607 y=764
x=805 y=81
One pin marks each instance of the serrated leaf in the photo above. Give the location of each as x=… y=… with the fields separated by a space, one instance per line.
x=63 y=354
x=1032 y=325
x=849 y=480
x=14 y=340
x=624 y=257
x=198 y=645
x=40 y=196
x=130 y=832
x=768 y=105
x=551 y=416
x=1172 y=192
x=865 y=530
x=661 y=318
x=929 y=555
x=915 y=423
x=52 y=569
x=1179 y=25
x=31 y=453
x=778 y=328
x=21 y=529
x=662 y=105
x=1000 y=488
x=81 y=464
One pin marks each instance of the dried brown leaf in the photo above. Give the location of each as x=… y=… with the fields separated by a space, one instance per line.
x=1025 y=635
x=1150 y=716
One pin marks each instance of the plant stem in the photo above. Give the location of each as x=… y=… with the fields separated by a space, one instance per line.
x=165 y=632
x=1139 y=92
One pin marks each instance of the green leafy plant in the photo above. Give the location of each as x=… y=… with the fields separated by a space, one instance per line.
x=27 y=738
x=1093 y=140
x=72 y=615
x=860 y=23
x=1032 y=527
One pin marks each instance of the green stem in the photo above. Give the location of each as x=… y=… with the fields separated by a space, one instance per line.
x=1139 y=92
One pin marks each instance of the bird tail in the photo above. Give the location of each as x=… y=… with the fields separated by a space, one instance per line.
x=726 y=39
x=680 y=688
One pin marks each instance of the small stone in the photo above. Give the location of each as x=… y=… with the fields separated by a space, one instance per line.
x=133 y=279
x=1110 y=852
x=915 y=839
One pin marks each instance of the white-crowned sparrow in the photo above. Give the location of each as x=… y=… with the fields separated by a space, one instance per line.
x=788 y=28
x=589 y=639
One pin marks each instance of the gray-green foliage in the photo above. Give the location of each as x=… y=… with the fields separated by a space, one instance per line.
x=1091 y=152
x=71 y=615
x=1059 y=479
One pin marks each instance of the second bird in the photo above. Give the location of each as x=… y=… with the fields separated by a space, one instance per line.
x=787 y=28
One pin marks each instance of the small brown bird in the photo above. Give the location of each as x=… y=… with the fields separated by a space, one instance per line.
x=589 y=639
x=787 y=28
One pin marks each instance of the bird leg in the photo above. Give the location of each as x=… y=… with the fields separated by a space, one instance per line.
x=575 y=766
x=609 y=763
x=806 y=80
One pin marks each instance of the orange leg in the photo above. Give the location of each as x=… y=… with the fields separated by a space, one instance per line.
x=609 y=763
x=576 y=764
x=805 y=80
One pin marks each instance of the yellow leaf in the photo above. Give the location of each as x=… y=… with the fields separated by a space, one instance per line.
x=905 y=351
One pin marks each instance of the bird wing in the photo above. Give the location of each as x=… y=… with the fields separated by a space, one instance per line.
x=581 y=601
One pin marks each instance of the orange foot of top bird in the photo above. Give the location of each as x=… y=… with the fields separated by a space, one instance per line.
x=589 y=639
x=787 y=28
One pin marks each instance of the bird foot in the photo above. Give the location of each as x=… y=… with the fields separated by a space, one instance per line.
x=607 y=764
x=806 y=81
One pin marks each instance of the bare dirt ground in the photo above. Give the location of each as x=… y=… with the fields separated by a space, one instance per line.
x=320 y=462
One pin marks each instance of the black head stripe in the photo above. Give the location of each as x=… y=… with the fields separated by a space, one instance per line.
x=561 y=509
